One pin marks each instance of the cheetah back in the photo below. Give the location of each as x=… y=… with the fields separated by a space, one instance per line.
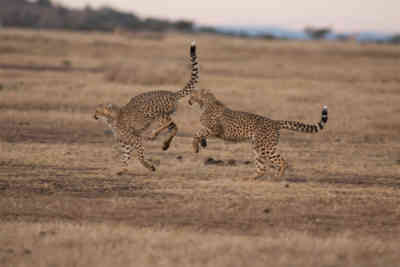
x=238 y=126
x=144 y=108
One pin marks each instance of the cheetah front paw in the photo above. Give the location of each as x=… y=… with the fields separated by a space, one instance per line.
x=149 y=165
x=155 y=162
x=257 y=176
x=203 y=142
x=122 y=171
x=152 y=168
x=166 y=146
x=196 y=147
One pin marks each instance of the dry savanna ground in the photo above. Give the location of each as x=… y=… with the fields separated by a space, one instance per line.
x=61 y=203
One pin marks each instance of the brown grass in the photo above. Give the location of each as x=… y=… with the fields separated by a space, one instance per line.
x=69 y=244
x=62 y=205
x=160 y=73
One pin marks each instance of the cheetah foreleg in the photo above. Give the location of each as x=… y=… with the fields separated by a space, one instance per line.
x=126 y=150
x=200 y=137
x=203 y=143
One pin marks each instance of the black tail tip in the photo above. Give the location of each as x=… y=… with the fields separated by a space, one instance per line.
x=324 y=114
x=193 y=49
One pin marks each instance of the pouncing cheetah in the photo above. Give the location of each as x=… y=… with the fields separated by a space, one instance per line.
x=130 y=121
x=220 y=121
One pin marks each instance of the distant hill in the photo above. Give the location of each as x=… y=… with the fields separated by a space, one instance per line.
x=45 y=14
x=283 y=33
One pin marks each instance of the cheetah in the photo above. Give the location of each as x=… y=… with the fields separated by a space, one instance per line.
x=262 y=133
x=129 y=122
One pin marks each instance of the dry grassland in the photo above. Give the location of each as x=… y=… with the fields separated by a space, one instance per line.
x=62 y=205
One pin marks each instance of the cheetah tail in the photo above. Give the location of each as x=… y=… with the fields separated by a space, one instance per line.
x=187 y=90
x=306 y=128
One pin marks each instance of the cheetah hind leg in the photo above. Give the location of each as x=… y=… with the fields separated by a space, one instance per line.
x=260 y=165
x=139 y=154
x=278 y=163
x=173 y=129
x=127 y=149
x=165 y=123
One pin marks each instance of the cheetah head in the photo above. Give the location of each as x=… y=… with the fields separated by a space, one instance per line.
x=106 y=112
x=201 y=97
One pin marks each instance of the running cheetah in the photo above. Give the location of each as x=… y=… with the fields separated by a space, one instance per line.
x=231 y=125
x=130 y=121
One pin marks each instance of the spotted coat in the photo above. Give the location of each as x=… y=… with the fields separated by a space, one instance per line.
x=263 y=133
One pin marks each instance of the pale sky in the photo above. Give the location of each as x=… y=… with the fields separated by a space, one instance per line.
x=341 y=15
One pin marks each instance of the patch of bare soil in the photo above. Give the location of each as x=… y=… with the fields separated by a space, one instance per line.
x=47 y=193
x=351 y=179
x=25 y=131
x=46 y=107
x=363 y=180
x=48 y=68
